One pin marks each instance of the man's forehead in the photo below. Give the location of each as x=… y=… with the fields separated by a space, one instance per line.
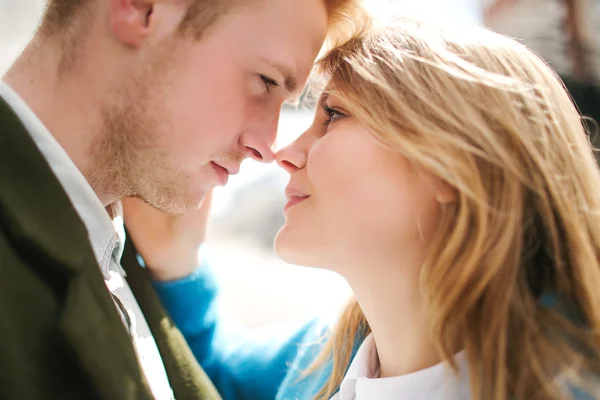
x=286 y=35
x=297 y=29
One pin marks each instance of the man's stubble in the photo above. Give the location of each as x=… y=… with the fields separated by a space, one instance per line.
x=131 y=156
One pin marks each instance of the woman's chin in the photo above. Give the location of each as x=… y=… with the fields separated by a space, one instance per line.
x=279 y=246
x=296 y=252
x=287 y=249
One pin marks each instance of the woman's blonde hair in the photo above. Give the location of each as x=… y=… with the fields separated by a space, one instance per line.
x=513 y=275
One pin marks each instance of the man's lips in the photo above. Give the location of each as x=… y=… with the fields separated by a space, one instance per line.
x=223 y=169
x=221 y=172
x=231 y=168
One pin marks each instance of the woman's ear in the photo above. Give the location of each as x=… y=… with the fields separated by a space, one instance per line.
x=444 y=192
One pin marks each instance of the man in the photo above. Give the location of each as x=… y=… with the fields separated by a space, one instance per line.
x=159 y=100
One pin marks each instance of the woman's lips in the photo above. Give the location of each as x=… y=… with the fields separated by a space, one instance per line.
x=294 y=200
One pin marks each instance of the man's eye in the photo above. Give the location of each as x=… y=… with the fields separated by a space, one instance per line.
x=268 y=82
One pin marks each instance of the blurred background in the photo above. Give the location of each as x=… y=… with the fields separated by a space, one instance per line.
x=248 y=212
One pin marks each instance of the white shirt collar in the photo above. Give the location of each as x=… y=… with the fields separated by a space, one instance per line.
x=106 y=235
x=438 y=382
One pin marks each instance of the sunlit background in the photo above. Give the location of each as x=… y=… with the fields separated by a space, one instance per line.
x=257 y=287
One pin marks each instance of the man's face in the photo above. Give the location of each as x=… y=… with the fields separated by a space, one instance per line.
x=192 y=110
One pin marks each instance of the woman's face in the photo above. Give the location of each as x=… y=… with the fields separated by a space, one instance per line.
x=353 y=201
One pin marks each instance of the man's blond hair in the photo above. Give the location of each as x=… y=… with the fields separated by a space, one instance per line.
x=62 y=16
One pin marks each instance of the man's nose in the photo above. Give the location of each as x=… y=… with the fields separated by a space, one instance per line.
x=259 y=152
x=258 y=140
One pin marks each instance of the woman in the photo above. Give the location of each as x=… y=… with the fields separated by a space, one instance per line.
x=447 y=176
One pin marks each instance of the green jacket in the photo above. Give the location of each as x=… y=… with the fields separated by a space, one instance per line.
x=60 y=333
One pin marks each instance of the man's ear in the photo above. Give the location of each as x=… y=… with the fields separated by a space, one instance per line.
x=131 y=21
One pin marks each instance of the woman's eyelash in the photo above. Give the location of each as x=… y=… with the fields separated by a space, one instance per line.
x=331 y=113
x=268 y=82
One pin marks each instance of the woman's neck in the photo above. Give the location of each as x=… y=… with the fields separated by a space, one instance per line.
x=391 y=302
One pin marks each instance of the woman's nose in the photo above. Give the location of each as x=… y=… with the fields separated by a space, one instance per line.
x=291 y=158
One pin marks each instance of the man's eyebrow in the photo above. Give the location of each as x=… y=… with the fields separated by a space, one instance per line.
x=290 y=82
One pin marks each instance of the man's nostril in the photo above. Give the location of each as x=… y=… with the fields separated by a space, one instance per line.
x=256 y=154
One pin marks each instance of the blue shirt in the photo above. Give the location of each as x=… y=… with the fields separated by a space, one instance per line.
x=261 y=364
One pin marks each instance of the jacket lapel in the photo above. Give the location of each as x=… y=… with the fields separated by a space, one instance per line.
x=47 y=231
x=187 y=378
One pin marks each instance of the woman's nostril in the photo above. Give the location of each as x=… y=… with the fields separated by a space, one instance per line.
x=287 y=164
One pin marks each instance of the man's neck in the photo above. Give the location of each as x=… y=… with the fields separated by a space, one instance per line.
x=66 y=103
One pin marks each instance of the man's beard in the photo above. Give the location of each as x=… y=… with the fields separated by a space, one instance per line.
x=130 y=154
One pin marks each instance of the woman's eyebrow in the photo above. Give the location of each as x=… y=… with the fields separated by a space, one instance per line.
x=323 y=99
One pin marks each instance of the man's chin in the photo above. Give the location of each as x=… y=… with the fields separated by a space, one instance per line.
x=187 y=206
x=181 y=204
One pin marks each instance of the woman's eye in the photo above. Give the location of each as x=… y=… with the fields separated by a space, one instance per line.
x=332 y=114
x=268 y=82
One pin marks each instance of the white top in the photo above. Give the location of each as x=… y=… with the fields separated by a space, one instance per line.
x=106 y=236
x=362 y=380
